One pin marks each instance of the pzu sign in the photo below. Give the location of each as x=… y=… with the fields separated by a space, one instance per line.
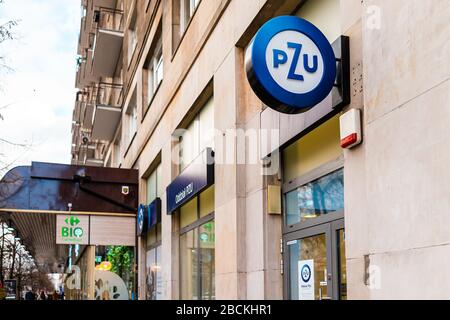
x=290 y=64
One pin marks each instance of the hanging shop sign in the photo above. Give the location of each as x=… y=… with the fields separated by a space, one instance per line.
x=95 y=230
x=72 y=229
x=141 y=220
x=154 y=213
x=290 y=64
x=194 y=179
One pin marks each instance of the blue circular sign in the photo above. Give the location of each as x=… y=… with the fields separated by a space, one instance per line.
x=141 y=219
x=290 y=64
x=305 y=273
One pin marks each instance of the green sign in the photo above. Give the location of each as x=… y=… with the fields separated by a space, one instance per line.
x=72 y=229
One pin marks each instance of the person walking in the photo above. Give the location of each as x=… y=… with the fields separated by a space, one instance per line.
x=29 y=295
x=42 y=296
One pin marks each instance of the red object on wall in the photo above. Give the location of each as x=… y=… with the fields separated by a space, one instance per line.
x=349 y=140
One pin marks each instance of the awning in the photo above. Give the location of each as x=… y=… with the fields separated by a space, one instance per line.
x=31 y=197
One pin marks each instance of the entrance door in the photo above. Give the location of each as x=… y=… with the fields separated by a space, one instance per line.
x=315 y=264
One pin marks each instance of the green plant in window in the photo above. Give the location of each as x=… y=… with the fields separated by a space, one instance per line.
x=121 y=258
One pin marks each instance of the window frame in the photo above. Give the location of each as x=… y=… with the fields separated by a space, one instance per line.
x=196 y=143
x=311 y=176
x=132 y=36
x=190 y=227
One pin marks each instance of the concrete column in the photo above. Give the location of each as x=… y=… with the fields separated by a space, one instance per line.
x=229 y=187
x=170 y=230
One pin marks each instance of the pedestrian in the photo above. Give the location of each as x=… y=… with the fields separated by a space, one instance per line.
x=55 y=295
x=42 y=296
x=29 y=295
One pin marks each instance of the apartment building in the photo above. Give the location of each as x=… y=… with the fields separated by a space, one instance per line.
x=234 y=195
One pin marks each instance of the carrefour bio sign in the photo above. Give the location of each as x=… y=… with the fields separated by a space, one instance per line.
x=290 y=64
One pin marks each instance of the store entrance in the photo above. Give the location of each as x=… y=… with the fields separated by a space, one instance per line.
x=315 y=262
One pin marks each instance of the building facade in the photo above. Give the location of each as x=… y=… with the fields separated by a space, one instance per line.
x=163 y=89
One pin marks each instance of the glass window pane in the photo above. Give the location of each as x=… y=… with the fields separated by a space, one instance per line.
x=188 y=145
x=188 y=265
x=301 y=252
x=188 y=213
x=151 y=187
x=316 y=148
x=206 y=119
x=151 y=275
x=322 y=196
x=207 y=201
x=325 y=14
x=342 y=265
x=207 y=252
x=159 y=184
x=159 y=283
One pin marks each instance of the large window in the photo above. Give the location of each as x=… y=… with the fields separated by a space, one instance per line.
x=153 y=260
x=311 y=192
x=199 y=134
x=197 y=248
x=153 y=71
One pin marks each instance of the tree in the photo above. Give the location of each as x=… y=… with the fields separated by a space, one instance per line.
x=121 y=258
x=6 y=34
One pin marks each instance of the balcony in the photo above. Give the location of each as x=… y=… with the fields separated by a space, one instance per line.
x=107 y=112
x=108 y=26
x=84 y=76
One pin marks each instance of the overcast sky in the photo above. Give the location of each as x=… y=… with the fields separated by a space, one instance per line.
x=41 y=88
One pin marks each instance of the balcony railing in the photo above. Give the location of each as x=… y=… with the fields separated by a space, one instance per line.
x=108 y=94
x=108 y=110
x=108 y=19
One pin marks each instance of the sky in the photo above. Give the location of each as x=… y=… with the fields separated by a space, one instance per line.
x=40 y=90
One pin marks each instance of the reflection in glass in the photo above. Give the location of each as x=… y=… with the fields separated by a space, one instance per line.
x=207 y=239
x=342 y=265
x=316 y=198
x=153 y=275
x=188 y=265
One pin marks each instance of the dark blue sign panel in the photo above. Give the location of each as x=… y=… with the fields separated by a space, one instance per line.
x=194 y=179
x=154 y=213
x=290 y=64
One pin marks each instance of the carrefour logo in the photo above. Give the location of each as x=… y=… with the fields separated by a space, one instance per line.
x=290 y=64
x=71 y=229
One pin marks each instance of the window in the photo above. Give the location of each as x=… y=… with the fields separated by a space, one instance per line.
x=131 y=116
x=154 y=275
x=322 y=196
x=197 y=248
x=116 y=153
x=198 y=135
x=187 y=11
x=153 y=71
x=154 y=184
x=132 y=36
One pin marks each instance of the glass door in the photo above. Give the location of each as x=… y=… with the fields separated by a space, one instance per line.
x=309 y=264
x=315 y=263
x=339 y=258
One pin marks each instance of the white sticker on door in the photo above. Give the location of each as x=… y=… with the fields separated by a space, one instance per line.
x=306 y=280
